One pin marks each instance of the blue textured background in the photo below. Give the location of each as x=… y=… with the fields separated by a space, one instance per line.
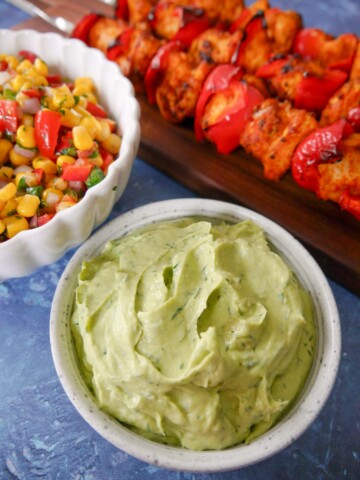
x=41 y=434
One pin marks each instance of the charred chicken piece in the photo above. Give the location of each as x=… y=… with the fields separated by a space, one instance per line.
x=214 y=46
x=134 y=11
x=342 y=176
x=306 y=83
x=180 y=87
x=274 y=132
x=343 y=104
x=266 y=33
x=131 y=48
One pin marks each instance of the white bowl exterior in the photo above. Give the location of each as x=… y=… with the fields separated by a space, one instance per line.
x=303 y=413
x=33 y=248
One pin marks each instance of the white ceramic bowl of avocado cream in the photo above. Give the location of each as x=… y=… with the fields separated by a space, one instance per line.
x=299 y=417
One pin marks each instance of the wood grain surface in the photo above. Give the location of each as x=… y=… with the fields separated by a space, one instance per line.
x=332 y=236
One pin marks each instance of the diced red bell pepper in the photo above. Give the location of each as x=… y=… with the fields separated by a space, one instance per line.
x=77 y=173
x=255 y=26
x=25 y=54
x=122 y=10
x=96 y=110
x=107 y=158
x=3 y=65
x=121 y=45
x=82 y=28
x=65 y=142
x=157 y=67
x=350 y=203
x=9 y=115
x=40 y=175
x=43 y=219
x=225 y=132
x=313 y=93
x=33 y=92
x=54 y=80
x=47 y=126
x=319 y=147
x=193 y=22
x=311 y=42
x=241 y=22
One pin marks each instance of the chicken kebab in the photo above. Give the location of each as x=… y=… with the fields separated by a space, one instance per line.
x=261 y=82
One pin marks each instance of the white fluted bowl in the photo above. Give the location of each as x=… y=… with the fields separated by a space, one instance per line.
x=34 y=248
x=304 y=411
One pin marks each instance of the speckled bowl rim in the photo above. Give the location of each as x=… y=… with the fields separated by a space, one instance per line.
x=314 y=395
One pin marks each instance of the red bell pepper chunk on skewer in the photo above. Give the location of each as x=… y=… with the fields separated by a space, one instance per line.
x=122 y=10
x=311 y=43
x=226 y=130
x=319 y=147
x=313 y=93
x=82 y=28
x=121 y=45
x=157 y=67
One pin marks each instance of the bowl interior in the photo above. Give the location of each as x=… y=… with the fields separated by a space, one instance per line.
x=290 y=427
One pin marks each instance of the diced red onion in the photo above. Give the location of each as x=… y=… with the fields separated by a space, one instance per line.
x=30 y=154
x=22 y=168
x=33 y=222
x=30 y=105
x=52 y=199
x=76 y=185
x=3 y=183
x=4 y=77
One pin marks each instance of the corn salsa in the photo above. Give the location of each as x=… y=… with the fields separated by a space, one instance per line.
x=56 y=142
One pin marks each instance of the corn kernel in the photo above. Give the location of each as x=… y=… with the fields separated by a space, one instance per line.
x=29 y=177
x=92 y=126
x=18 y=82
x=51 y=196
x=17 y=159
x=25 y=135
x=9 y=208
x=25 y=66
x=84 y=82
x=98 y=160
x=70 y=117
x=90 y=97
x=7 y=192
x=15 y=224
x=27 y=119
x=112 y=143
x=82 y=139
x=63 y=205
x=81 y=90
x=104 y=131
x=28 y=205
x=58 y=183
x=82 y=110
x=64 y=159
x=39 y=81
x=5 y=147
x=45 y=164
x=6 y=173
x=62 y=97
x=41 y=67
x=12 y=61
x=2 y=227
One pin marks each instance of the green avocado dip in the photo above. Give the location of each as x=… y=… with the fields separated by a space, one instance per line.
x=193 y=333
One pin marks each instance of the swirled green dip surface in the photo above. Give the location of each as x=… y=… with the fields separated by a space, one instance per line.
x=192 y=333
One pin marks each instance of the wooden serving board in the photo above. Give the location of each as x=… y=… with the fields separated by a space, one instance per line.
x=332 y=236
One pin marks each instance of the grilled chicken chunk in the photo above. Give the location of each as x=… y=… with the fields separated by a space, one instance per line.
x=179 y=90
x=274 y=132
x=343 y=175
x=340 y=105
